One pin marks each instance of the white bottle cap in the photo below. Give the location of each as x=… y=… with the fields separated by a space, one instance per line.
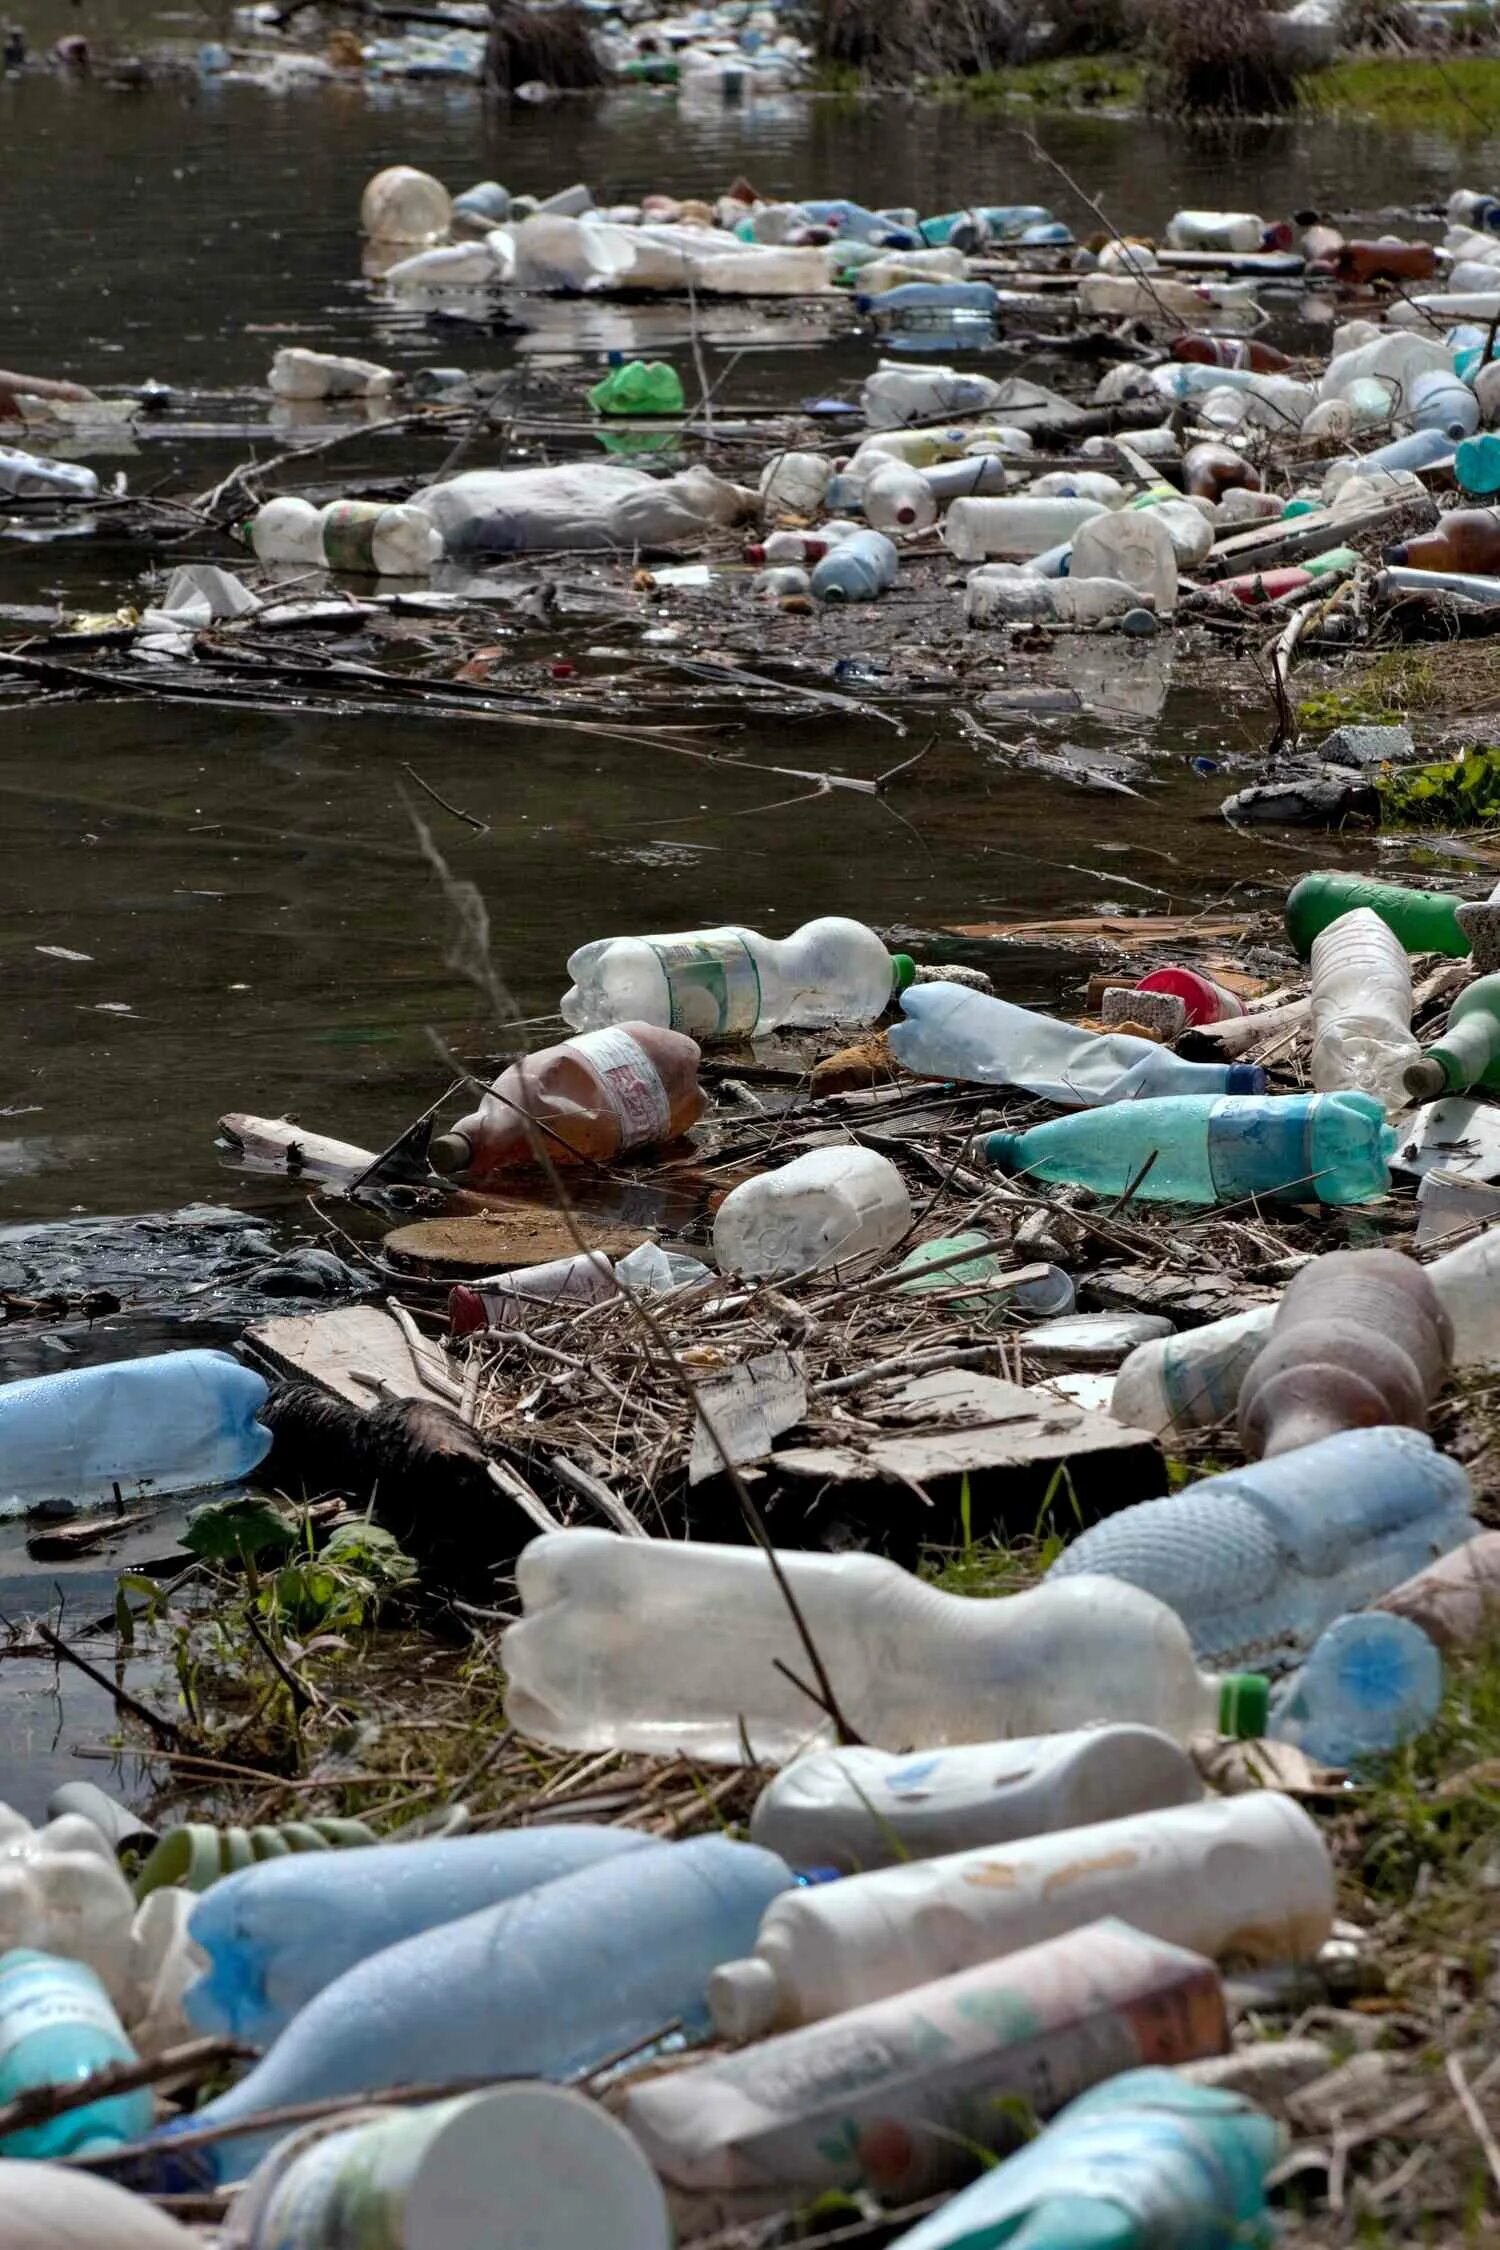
x=744 y=1998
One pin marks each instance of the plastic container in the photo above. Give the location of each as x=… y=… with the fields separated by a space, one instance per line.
x=49 y=2207
x=1258 y=1561
x=949 y=1031
x=510 y=1300
x=897 y=499
x=894 y=398
x=546 y=1985
x=1424 y=921
x=858 y=569
x=181 y=1422
x=775 y=585
x=1455 y=1601
x=1051 y=1294
x=832 y=1207
x=58 y=2025
x=358 y=536
x=1361 y=1009
x=27 y=476
x=1216 y=230
x=732 y=983
x=577 y=505
x=1468 y=1052
x=975 y=476
x=299 y=373
x=1001 y=594
x=1145 y=2161
x=905 y=2095
x=1246 y=1878
x=927 y=297
x=787 y=547
x=857 y=1809
x=1359 y=1339
x=974 y=530
x=1203 y=1000
x=592 y=1098
x=611 y=1654
x=794 y=484
x=61 y=1891
x=1231 y=351
x=1134 y=545
x=276 y=1934
x=1466 y=539
x=1371 y=1683
x=197 y=1854
x=639 y=386
x=1441 y=402
x=1476 y=465
x=1189 y=1381
x=404 y=205
x=1300 y=1148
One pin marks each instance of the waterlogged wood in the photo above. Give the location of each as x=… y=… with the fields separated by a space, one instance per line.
x=291 y=1148
x=337 y=1350
x=1285 y=542
x=750 y=1406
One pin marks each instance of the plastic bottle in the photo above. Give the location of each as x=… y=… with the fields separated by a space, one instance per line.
x=731 y=983
x=1424 y=921
x=1370 y=1683
x=1468 y=209
x=639 y=386
x=832 y=1207
x=54 y=2207
x=794 y=484
x=856 y=1809
x=611 y=1654
x=975 y=476
x=545 y=1985
x=1301 y=1148
x=1216 y=230
x=1468 y=1282
x=359 y=536
x=895 y=397
x=1454 y=1601
x=633 y=1085
x=1209 y=471
x=404 y=205
x=1441 y=402
x=1192 y=1380
x=949 y=1031
x=27 y=476
x=1476 y=465
x=927 y=296
x=858 y=569
x=781 y=547
x=1005 y=594
x=1204 y=1001
x=1361 y=1009
x=298 y=373
x=276 y=1934
x=1464 y=539
x=1051 y=1295
x=1468 y=1052
x=57 y=2025
x=1360 y=263
x=509 y=1300
x=897 y=498
x=901 y=2096
x=1135 y=545
x=1015 y=528
x=1231 y=351
x=1360 y=1338
x=181 y=1422
x=1145 y=2161
x=775 y=585
x=1246 y=1877
x=1258 y=1561
x=61 y=1891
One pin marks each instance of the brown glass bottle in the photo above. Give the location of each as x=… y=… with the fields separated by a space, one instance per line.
x=1359 y=1339
x=630 y=1086
x=1209 y=471
x=1464 y=539
x=1362 y=262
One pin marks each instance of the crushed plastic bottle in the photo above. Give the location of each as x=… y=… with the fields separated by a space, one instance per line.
x=938 y=1264
x=639 y=386
x=948 y=1031
x=832 y=1207
x=732 y=983
x=1455 y=1600
x=1370 y=1683
x=139 y=1428
x=633 y=1085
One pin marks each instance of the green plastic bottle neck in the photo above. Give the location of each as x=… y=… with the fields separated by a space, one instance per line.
x=1244 y=1705
x=903 y=972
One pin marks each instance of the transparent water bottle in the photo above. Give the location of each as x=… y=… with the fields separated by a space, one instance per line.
x=1013 y=529
x=1133 y=544
x=1257 y=1561
x=732 y=983
x=1361 y=1009
x=611 y=1654
x=181 y=1422
x=950 y=1032
x=833 y=1207
x=1371 y=1683
x=58 y=2025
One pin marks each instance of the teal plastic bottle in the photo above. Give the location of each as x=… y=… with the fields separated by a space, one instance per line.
x=1295 y=1148
x=57 y=2025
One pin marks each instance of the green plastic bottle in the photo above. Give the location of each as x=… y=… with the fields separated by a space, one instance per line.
x=1424 y=921
x=1468 y=1053
x=639 y=387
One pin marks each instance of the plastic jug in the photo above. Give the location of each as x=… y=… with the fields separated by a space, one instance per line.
x=1145 y=2161
x=897 y=498
x=1258 y=1561
x=1371 y=1683
x=732 y=983
x=1424 y=921
x=858 y=569
x=299 y=373
x=1468 y=1052
x=1246 y=1878
x=1360 y=1338
x=949 y=1031
x=58 y=2025
x=633 y=1085
x=610 y=1653
x=1361 y=1009
x=856 y=1809
x=276 y=1934
x=832 y=1207
x=900 y=2097
x=1135 y=545
x=545 y=1985
x=181 y=1422
x=895 y=397
x=1301 y=1148
x=1455 y=1601
x=1015 y=528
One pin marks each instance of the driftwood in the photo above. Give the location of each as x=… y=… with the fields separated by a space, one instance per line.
x=1268 y=545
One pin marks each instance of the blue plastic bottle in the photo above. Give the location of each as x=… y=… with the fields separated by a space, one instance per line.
x=1147 y=2161
x=1371 y=1683
x=930 y=296
x=57 y=2025
x=1300 y=1148
x=858 y=569
x=181 y=1422
x=1017 y=222
x=277 y=1933
x=948 y=1031
x=1259 y=1561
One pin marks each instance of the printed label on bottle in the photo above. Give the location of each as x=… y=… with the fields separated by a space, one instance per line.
x=712 y=983
x=351 y=2189
x=349 y=536
x=631 y=1082
x=52 y=1996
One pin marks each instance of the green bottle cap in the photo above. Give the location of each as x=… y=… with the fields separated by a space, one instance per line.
x=1244 y=1704
x=903 y=971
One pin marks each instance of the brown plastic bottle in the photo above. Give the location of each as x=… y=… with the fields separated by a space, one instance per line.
x=1464 y=539
x=629 y=1086
x=1231 y=351
x=1456 y=1600
x=1209 y=471
x=1386 y=261
x=1359 y=1339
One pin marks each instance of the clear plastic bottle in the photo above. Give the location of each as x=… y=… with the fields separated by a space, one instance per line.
x=977 y=475
x=276 y=1934
x=897 y=498
x=731 y=983
x=508 y=1300
x=1192 y=1380
x=58 y=2025
x=1257 y=1561
x=1370 y=1683
x=1468 y=1282
x=1361 y=1009
x=1468 y=1051
x=1247 y=1877
x=927 y=296
x=1004 y=594
x=401 y=204
x=1012 y=529
x=545 y=1985
x=633 y=1085
x=1441 y=401
x=1360 y=1338
x=857 y=569
x=1133 y=544
x=1051 y=1295
x=181 y=1422
x=950 y=1032
x=611 y=1654
x=895 y=397
x=856 y=1809
x=832 y=1207
x=1302 y=1148
x=775 y=584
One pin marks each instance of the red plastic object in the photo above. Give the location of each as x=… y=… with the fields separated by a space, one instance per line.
x=1205 y=1001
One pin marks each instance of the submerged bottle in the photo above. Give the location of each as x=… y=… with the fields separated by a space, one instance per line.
x=135 y=1428
x=1360 y=1338
x=57 y=2025
x=1133 y=544
x=1361 y=1009
x=732 y=983
x=1301 y=1148
x=832 y=1207
x=1464 y=539
x=633 y=1085
x=1468 y=1051
x=1258 y=1561
x=1371 y=1683
x=858 y=569
x=1424 y=921
x=611 y=1654
x=950 y=1032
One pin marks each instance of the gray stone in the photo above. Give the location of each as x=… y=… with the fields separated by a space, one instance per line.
x=1367 y=746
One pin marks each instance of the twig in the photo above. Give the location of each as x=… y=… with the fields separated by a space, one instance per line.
x=197 y=2058
x=166 y=1730
x=1477 y=2122
x=472 y=819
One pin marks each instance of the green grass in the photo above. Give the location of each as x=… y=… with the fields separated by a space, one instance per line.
x=1071 y=82
x=1458 y=95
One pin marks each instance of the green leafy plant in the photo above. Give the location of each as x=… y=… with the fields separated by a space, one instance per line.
x=1461 y=792
x=343 y=1588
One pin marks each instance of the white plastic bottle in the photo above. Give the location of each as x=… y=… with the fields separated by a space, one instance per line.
x=1361 y=1009
x=1012 y=529
x=611 y=1653
x=949 y=1031
x=897 y=498
x=731 y=983
x=1132 y=544
x=1004 y=594
x=1246 y=1876
x=856 y=1809
x=895 y=396
x=1467 y=1281
x=299 y=373
x=359 y=536
x=794 y=483
x=833 y=1207
x=1216 y=230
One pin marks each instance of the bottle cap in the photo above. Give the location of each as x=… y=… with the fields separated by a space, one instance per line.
x=744 y=1998
x=903 y=971
x=1395 y=554
x=1427 y=1080
x=1245 y=1078
x=1003 y=1151
x=450 y=1152
x=809 y=1878
x=1244 y=1704
x=755 y=554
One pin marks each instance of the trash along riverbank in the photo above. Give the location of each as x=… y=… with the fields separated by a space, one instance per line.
x=835 y=1609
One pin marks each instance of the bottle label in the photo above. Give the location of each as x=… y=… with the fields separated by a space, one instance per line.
x=632 y=1084
x=713 y=984
x=349 y=536
x=54 y=1996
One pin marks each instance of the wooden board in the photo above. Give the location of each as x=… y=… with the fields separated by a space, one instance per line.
x=503 y=1236
x=335 y=1348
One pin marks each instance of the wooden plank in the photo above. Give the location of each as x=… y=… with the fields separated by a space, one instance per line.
x=338 y=1347
x=286 y=1147
x=1288 y=541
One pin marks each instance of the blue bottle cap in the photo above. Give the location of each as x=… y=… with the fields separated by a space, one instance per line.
x=1244 y=1078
